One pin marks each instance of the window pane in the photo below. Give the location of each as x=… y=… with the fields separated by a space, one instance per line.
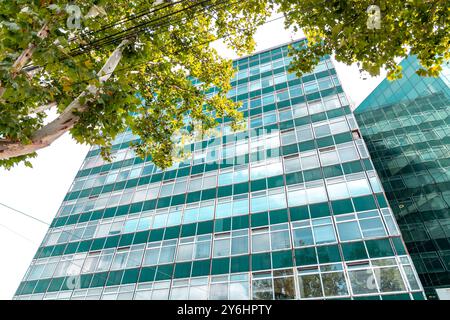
x=222 y=247
x=288 y=138
x=268 y=99
x=297 y=197
x=310 y=286
x=328 y=158
x=262 y=289
x=338 y=127
x=284 y=288
x=218 y=291
x=291 y=165
x=358 y=187
x=324 y=234
x=239 y=245
x=180 y=293
x=280 y=240
x=202 y=249
x=260 y=242
x=144 y=223
x=300 y=110
x=411 y=277
x=239 y=291
x=185 y=252
x=270 y=118
x=198 y=292
x=362 y=281
x=321 y=131
x=277 y=201
x=304 y=133
x=167 y=254
x=338 y=191
x=223 y=210
x=206 y=212
x=372 y=228
x=240 y=207
x=376 y=186
x=315 y=107
x=240 y=175
x=225 y=178
x=310 y=87
x=303 y=237
x=285 y=114
x=309 y=162
x=259 y=204
x=130 y=226
x=174 y=218
x=348 y=154
x=334 y=284
x=135 y=259
x=317 y=194
x=348 y=231
x=391 y=280
x=161 y=294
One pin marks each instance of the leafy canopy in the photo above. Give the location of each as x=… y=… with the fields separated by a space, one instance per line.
x=163 y=47
x=419 y=27
x=166 y=48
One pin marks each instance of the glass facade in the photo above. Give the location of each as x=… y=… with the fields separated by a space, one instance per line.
x=405 y=124
x=289 y=208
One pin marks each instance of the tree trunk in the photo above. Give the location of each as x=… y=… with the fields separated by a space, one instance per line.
x=44 y=136
x=26 y=55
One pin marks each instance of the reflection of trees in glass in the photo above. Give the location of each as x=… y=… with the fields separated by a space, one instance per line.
x=362 y=281
x=284 y=288
x=262 y=289
x=411 y=277
x=334 y=284
x=303 y=237
x=263 y=295
x=390 y=279
x=310 y=286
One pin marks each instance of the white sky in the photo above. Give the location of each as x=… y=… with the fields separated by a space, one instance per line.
x=40 y=191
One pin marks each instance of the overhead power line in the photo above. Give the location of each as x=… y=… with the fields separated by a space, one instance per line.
x=137 y=15
x=25 y=214
x=77 y=237
x=17 y=233
x=133 y=30
x=149 y=61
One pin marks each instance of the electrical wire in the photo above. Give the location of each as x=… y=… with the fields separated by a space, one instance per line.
x=177 y=51
x=80 y=267
x=134 y=16
x=25 y=214
x=17 y=233
x=128 y=67
x=124 y=34
x=83 y=50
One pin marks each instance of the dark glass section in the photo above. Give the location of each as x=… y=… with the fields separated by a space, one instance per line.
x=405 y=125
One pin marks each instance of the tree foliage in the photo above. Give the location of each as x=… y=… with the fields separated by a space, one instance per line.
x=160 y=47
x=419 y=27
x=166 y=48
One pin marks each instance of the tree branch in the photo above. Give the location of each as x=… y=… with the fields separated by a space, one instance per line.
x=26 y=55
x=45 y=107
x=46 y=135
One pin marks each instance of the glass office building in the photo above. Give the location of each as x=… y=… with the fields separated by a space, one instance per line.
x=405 y=125
x=289 y=208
